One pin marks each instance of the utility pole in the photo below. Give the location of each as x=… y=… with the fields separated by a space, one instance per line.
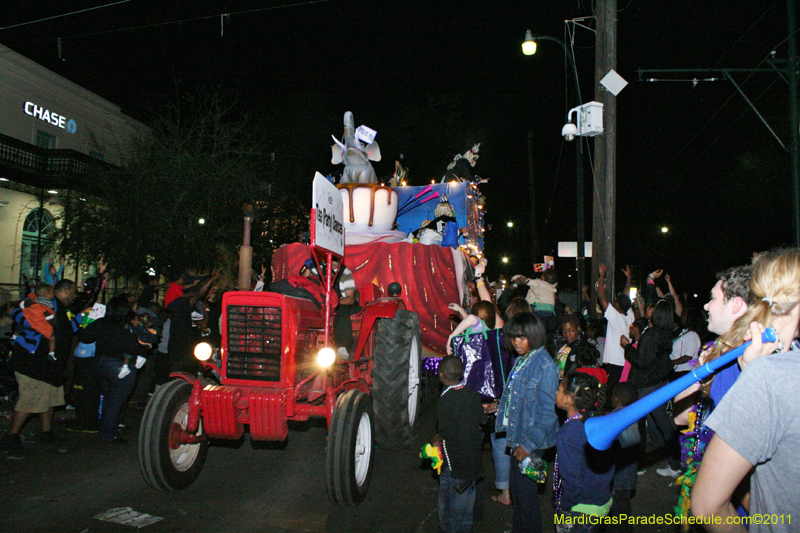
x=605 y=153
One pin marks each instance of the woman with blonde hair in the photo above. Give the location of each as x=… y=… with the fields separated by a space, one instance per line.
x=774 y=295
x=756 y=424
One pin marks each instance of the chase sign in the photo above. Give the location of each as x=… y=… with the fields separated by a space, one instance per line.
x=51 y=117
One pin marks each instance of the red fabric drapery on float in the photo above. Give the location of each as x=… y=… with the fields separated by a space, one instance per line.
x=429 y=276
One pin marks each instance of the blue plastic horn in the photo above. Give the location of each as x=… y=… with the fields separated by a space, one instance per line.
x=601 y=431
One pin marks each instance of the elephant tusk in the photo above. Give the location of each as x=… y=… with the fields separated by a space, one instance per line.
x=340 y=144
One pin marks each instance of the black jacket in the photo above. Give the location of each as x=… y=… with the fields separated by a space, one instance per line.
x=650 y=362
x=460 y=414
x=113 y=339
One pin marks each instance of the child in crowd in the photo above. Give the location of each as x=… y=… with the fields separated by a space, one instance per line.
x=586 y=359
x=565 y=357
x=141 y=326
x=576 y=346
x=38 y=310
x=583 y=476
x=459 y=414
x=486 y=315
x=625 y=464
x=596 y=334
x=542 y=294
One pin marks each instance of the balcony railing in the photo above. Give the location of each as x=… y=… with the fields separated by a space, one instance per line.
x=29 y=159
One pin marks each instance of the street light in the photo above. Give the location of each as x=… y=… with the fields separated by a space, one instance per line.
x=529 y=48
x=505 y=260
x=510 y=224
x=664 y=229
x=529 y=45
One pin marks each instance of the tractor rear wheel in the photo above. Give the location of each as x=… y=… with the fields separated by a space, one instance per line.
x=349 y=457
x=396 y=376
x=166 y=464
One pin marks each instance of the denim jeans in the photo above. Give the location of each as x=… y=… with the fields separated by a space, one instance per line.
x=455 y=509
x=115 y=393
x=502 y=462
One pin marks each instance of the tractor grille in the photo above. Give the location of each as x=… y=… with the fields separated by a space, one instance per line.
x=254 y=343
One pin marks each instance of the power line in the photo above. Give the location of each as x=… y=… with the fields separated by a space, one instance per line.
x=680 y=105
x=181 y=21
x=702 y=129
x=64 y=15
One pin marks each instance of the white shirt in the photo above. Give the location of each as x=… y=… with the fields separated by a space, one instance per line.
x=618 y=325
x=688 y=343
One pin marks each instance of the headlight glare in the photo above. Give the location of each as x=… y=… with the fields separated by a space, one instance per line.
x=203 y=351
x=326 y=357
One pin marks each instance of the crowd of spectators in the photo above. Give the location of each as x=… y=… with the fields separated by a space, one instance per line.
x=727 y=441
x=100 y=359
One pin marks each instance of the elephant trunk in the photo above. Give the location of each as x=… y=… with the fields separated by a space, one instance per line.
x=349 y=130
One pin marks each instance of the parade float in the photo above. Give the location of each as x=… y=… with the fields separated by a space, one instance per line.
x=277 y=361
x=425 y=237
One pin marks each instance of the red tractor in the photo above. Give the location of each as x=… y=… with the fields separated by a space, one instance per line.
x=274 y=365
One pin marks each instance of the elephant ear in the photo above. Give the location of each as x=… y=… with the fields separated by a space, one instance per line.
x=338 y=151
x=373 y=151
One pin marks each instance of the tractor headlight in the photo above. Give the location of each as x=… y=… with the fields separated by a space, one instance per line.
x=326 y=357
x=203 y=351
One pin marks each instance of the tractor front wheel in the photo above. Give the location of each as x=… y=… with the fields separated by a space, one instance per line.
x=349 y=457
x=396 y=377
x=165 y=462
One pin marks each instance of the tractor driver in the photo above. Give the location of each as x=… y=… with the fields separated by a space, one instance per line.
x=348 y=303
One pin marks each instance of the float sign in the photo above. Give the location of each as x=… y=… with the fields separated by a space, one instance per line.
x=329 y=213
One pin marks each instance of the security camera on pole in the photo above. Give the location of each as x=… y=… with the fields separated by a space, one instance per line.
x=583 y=121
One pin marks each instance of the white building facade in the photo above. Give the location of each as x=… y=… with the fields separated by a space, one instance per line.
x=51 y=131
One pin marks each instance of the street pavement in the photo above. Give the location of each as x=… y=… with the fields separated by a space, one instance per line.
x=244 y=488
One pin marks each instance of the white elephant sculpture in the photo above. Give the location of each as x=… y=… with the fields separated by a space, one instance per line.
x=355 y=154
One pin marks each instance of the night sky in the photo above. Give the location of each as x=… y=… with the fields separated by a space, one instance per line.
x=436 y=78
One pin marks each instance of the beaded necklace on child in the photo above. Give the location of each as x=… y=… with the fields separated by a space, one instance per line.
x=556 y=477
x=444 y=444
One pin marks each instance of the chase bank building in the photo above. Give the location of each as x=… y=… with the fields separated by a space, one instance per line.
x=51 y=133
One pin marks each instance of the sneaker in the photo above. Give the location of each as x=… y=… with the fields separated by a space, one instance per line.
x=641 y=472
x=667 y=471
x=12 y=444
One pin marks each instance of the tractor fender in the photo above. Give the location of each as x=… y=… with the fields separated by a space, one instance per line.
x=380 y=308
x=185 y=376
